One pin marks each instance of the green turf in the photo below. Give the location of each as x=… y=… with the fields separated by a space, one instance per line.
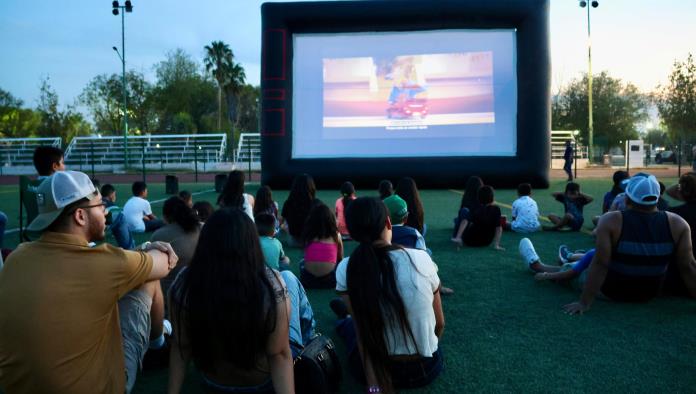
x=507 y=333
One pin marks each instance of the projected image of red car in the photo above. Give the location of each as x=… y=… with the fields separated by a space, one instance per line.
x=408 y=108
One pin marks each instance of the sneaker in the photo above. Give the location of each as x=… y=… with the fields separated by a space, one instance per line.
x=563 y=253
x=339 y=308
x=528 y=253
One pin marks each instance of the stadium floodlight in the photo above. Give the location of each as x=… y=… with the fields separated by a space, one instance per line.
x=594 y=4
x=127 y=7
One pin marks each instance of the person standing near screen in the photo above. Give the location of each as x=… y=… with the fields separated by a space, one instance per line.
x=568 y=157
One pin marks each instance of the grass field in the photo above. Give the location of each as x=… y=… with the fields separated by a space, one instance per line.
x=505 y=332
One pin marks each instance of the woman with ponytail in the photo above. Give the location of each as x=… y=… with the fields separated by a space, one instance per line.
x=181 y=231
x=347 y=195
x=390 y=309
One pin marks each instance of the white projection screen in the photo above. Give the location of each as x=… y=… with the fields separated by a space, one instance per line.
x=436 y=93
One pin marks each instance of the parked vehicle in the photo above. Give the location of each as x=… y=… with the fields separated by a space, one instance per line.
x=665 y=156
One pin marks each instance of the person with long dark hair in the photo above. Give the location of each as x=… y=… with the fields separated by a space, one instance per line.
x=484 y=226
x=390 y=308
x=407 y=189
x=233 y=196
x=468 y=205
x=264 y=204
x=323 y=248
x=347 y=195
x=296 y=208
x=238 y=320
x=181 y=231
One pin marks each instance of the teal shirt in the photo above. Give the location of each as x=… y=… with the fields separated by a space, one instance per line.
x=272 y=251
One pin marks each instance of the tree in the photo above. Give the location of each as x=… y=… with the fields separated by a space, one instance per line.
x=103 y=96
x=15 y=121
x=235 y=82
x=657 y=137
x=676 y=102
x=617 y=108
x=180 y=88
x=54 y=122
x=248 y=108
x=218 y=61
x=7 y=100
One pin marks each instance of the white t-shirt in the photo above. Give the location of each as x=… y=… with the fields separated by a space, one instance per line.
x=248 y=209
x=526 y=214
x=134 y=210
x=416 y=280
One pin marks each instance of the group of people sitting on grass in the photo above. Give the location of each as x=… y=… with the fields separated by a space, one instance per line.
x=83 y=319
x=213 y=286
x=643 y=249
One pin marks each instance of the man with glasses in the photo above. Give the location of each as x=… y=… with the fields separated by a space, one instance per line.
x=75 y=318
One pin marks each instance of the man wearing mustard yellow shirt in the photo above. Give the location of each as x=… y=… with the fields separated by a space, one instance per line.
x=75 y=318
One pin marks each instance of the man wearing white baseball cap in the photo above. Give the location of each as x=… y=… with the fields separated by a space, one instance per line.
x=635 y=247
x=75 y=318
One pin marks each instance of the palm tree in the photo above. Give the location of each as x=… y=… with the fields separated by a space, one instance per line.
x=219 y=61
x=235 y=82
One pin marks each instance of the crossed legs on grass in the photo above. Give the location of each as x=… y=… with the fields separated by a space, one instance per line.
x=559 y=222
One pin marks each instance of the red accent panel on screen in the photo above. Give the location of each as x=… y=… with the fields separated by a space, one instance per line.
x=274 y=122
x=274 y=54
x=274 y=94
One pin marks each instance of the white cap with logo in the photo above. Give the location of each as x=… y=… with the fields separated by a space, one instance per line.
x=57 y=192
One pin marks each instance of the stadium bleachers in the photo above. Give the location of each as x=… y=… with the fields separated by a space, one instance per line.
x=558 y=139
x=167 y=148
x=19 y=151
x=248 y=149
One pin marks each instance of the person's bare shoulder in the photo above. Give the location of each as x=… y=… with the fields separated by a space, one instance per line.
x=677 y=224
x=611 y=221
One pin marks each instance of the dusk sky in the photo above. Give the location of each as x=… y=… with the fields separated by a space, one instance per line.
x=70 y=41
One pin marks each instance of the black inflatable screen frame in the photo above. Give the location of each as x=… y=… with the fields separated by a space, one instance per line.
x=530 y=19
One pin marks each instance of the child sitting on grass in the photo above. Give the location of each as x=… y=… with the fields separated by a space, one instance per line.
x=525 y=212
x=272 y=248
x=573 y=202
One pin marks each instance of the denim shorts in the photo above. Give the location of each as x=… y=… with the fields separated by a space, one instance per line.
x=134 y=317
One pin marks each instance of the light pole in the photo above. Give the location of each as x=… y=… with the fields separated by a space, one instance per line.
x=122 y=9
x=583 y=4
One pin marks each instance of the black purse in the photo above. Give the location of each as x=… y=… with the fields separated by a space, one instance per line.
x=317 y=369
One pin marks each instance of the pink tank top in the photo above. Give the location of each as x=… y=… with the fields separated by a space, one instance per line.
x=320 y=251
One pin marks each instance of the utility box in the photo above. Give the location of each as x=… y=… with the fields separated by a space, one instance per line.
x=635 y=154
x=171 y=184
